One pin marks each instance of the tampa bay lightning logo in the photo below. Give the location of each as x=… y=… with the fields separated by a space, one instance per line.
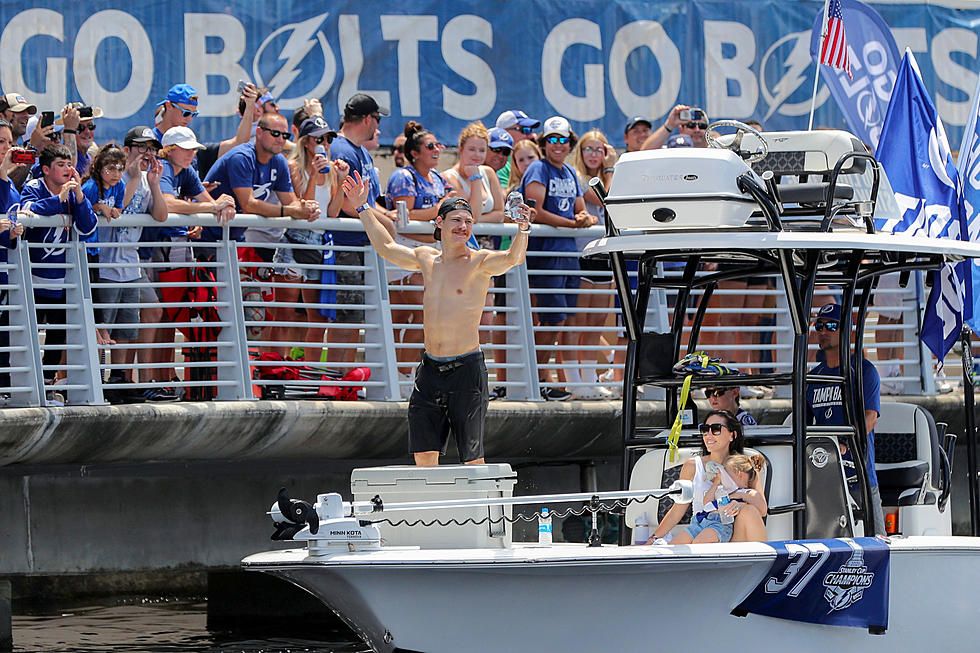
x=784 y=74
x=289 y=60
x=845 y=587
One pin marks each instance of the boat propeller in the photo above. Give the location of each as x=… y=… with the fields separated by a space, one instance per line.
x=294 y=515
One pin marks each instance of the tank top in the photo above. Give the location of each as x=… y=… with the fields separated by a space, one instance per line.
x=702 y=485
x=488 y=203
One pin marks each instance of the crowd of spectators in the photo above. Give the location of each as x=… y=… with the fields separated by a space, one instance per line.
x=51 y=164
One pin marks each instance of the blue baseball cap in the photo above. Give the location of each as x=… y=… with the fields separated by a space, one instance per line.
x=829 y=312
x=182 y=93
x=680 y=140
x=500 y=138
x=636 y=120
x=514 y=118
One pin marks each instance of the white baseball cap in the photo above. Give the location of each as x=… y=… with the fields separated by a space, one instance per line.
x=182 y=137
x=514 y=118
x=556 y=125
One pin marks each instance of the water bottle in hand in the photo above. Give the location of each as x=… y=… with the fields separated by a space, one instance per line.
x=322 y=150
x=721 y=496
x=514 y=200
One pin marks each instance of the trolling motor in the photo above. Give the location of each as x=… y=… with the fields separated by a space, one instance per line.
x=290 y=516
x=326 y=525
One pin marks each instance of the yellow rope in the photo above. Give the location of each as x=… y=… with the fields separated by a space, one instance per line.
x=675 y=429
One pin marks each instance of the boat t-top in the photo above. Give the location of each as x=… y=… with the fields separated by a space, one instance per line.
x=424 y=559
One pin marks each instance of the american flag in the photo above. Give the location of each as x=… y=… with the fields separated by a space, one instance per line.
x=833 y=50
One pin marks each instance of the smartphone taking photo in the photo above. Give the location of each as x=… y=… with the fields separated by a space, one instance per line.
x=47 y=118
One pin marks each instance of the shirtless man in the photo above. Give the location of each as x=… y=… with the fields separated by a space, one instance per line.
x=450 y=390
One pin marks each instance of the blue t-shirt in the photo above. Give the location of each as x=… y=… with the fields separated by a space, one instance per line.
x=240 y=168
x=112 y=197
x=8 y=197
x=825 y=405
x=183 y=185
x=408 y=182
x=358 y=159
x=561 y=190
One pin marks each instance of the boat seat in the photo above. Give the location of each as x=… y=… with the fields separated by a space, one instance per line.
x=907 y=455
x=655 y=470
x=813 y=193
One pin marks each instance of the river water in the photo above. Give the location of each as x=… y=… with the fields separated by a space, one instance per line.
x=156 y=626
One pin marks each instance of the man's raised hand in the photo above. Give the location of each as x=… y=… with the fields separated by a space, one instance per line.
x=355 y=193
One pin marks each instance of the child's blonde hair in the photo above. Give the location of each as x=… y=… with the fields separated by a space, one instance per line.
x=748 y=465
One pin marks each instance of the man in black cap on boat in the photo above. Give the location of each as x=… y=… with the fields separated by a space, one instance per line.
x=450 y=392
x=825 y=404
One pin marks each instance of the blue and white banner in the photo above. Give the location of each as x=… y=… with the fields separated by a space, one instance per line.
x=874 y=67
x=969 y=168
x=840 y=582
x=446 y=64
x=915 y=154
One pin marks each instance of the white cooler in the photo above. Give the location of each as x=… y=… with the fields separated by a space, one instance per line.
x=401 y=483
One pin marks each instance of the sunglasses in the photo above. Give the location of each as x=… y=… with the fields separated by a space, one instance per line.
x=714 y=392
x=830 y=326
x=89 y=127
x=714 y=428
x=501 y=150
x=117 y=167
x=433 y=146
x=376 y=116
x=275 y=133
x=188 y=114
x=696 y=125
x=320 y=139
x=557 y=139
x=593 y=150
x=526 y=130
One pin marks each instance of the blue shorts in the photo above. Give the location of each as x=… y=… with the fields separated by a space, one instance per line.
x=555 y=282
x=713 y=522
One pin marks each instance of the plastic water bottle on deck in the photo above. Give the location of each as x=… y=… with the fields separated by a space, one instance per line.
x=544 y=527
x=721 y=496
x=641 y=530
x=514 y=199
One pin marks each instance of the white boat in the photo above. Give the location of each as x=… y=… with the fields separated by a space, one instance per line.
x=818 y=584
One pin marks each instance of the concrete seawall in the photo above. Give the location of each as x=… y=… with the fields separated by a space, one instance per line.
x=166 y=490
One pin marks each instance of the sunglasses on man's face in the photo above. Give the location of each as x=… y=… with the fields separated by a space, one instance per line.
x=377 y=117
x=501 y=150
x=715 y=392
x=526 y=130
x=275 y=133
x=319 y=140
x=714 y=428
x=696 y=125
x=557 y=139
x=89 y=127
x=831 y=326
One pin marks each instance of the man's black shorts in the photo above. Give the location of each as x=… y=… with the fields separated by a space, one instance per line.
x=448 y=396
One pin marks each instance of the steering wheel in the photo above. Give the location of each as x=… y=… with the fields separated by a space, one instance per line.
x=736 y=144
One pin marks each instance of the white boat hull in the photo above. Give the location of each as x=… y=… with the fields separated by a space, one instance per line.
x=572 y=598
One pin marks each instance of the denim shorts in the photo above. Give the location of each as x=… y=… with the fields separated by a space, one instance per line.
x=713 y=522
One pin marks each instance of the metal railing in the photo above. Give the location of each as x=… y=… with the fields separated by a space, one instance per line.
x=228 y=326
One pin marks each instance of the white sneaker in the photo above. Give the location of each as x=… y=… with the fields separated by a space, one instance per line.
x=585 y=393
x=943 y=387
